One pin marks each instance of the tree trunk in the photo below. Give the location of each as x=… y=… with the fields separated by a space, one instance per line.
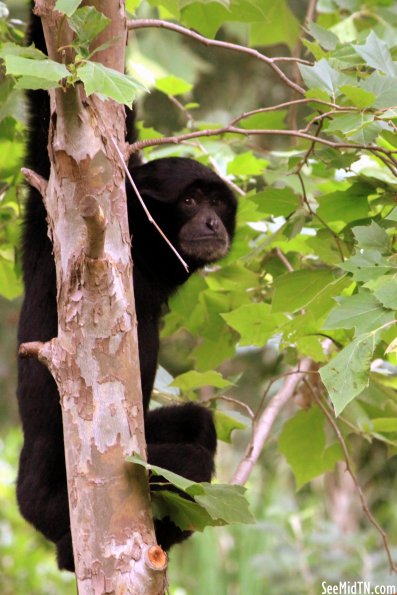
x=94 y=358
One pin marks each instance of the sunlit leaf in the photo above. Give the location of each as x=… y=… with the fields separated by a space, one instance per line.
x=108 y=82
x=302 y=442
x=346 y=375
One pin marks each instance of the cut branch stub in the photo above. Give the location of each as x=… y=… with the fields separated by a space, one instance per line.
x=31 y=349
x=43 y=352
x=35 y=180
x=156 y=558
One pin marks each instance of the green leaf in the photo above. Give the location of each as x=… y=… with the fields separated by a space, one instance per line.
x=367 y=265
x=326 y=38
x=265 y=121
x=226 y=503
x=279 y=25
x=233 y=277
x=347 y=374
x=43 y=70
x=372 y=237
x=376 y=54
x=173 y=85
x=33 y=83
x=87 y=23
x=294 y=291
x=211 y=353
x=384 y=424
x=255 y=323
x=186 y=514
x=225 y=424
x=8 y=128
x=386 y=292
x=67 y=6
x=361 y=311
x=277 y=201
x=361 y=127
x=246 y=164
x=323 y=76
x=205 y=18
x=302 y=442
x=132 y=5
x=192 y=380
x=176 y=480
x=358 y=96
x=108 y=82
x=344 y=205
x=11 y=49
x=384 y=87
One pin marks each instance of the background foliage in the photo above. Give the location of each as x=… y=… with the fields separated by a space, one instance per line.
x=311 y=273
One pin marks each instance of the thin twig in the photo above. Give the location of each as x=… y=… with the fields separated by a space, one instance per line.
x=349 y=468
x=281 y=256
x=310 y=150
x=147 y=212
x=181 y=107
x=237 y=402
x=263 y=425
x=158 y=23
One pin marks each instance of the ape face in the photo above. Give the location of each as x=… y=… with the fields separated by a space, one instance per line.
x=203 y=210
x=194 y=208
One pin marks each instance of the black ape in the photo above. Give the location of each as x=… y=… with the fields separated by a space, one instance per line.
x=196 y=210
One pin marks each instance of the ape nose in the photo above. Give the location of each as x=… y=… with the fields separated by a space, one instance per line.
x=212 y=223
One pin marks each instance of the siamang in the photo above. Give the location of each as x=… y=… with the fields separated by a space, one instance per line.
x=196 y=210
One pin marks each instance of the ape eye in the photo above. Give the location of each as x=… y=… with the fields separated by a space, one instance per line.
x=215 y=202
x=189 y=201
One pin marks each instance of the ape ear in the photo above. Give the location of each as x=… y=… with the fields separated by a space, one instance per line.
x=153 y=186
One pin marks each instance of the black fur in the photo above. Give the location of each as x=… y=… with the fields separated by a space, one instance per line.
x=180 y=438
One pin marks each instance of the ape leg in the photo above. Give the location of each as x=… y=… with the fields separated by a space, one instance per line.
x=42 y=490
x=189 y=424
x=181 y=439
x=65 y=552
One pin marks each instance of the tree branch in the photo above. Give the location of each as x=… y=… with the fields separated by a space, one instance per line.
x=228 y=129
x=263 y=425
x=271 y=62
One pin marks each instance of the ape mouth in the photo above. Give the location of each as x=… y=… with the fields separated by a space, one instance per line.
x=206 y=238
x=205 y=249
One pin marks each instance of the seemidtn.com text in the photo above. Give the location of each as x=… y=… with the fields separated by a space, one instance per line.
x=357 y=588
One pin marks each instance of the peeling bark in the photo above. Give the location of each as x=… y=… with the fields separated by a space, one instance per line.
x=94 y=359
